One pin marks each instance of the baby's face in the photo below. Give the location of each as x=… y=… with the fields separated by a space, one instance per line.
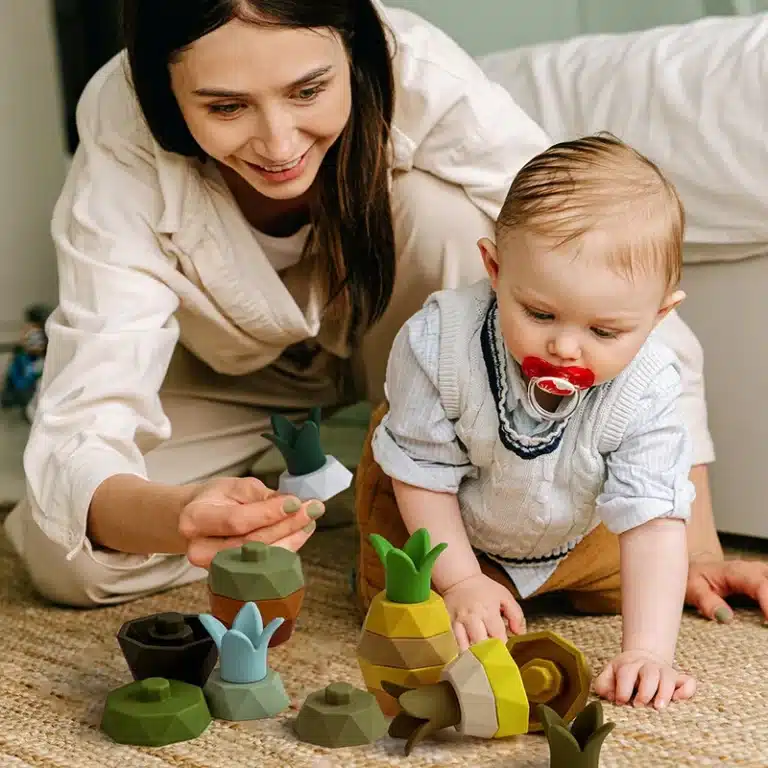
x=569 y=307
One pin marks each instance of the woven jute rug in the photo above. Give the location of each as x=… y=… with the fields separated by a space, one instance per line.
x=57 y=666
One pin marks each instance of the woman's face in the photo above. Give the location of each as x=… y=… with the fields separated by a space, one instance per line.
x=266 y=101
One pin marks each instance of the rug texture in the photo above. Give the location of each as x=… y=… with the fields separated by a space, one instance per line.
x=58 y=665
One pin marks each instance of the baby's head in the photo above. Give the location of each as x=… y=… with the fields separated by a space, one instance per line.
x=588 y=256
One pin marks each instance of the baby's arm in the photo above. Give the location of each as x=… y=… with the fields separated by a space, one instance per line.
x=417 y=446
x=646 y=500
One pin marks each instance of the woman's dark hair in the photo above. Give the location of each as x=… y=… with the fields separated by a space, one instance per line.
x=352 y=235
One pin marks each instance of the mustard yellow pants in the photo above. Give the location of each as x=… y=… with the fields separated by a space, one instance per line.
x=589 y=576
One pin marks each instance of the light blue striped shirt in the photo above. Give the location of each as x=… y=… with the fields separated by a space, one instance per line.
x=531 y=490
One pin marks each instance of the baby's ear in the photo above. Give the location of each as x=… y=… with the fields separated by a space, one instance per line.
x=490 y=259
x=671 y=301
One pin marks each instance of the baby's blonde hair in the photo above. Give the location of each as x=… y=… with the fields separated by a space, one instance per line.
x=600 y=183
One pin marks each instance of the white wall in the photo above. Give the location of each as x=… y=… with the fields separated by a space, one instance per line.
x=33 y=158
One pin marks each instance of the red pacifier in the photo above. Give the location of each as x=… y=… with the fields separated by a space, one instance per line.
x=565 y=381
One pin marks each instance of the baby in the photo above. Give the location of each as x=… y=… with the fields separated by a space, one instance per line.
x=535 y=412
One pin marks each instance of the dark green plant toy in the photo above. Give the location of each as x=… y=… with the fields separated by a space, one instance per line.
x=310 y=473
x=578 y=746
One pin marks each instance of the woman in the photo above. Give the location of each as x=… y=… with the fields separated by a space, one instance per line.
x=263 y=193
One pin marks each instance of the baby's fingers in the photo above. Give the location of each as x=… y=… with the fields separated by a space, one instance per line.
x=666 y=687
x=496 y=626
x=514 y=616
x=649 y=678
x=686 y=688
x=626 y=679
x=606 y=683
x=460 y=633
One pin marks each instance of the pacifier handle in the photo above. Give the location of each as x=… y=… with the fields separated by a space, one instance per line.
x=573 y=392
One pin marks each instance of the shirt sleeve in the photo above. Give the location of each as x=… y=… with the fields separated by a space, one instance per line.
x=648 y=474
x=416 y=442
x=457 y=123
x=112 y=335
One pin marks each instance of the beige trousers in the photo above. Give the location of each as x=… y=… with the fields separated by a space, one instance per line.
x=217 y=420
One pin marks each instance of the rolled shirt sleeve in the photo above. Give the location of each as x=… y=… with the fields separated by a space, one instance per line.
x=416 y=442
x=648 y=474
x=112 y=335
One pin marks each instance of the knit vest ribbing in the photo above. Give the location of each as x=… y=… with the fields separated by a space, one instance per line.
x=527 y=509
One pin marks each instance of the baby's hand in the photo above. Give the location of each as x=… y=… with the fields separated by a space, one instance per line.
x=647 y=677
x=480 y=608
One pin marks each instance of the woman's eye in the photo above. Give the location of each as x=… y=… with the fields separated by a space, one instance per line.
x=309 y=94
x=539 y=315
x=603 y=334
x=226 y=109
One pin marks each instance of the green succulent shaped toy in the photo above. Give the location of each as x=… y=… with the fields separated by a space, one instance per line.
x=578 y=746
x=408 y=570
x=310 y=473
x=243 y=687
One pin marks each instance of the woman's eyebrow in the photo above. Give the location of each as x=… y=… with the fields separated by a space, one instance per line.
x=227 y=93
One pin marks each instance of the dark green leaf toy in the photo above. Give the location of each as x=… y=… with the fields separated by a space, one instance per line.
x=578 y=746
x=299 y=446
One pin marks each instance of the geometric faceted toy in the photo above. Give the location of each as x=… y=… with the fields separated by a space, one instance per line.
x=154 y=712
x=172 y=645
x=310 y=474
x=255 y=572
x=579 y=745
x=242 y=687
x=407 y=638
x=554 y=672
x=340 y=715
x=480 y=693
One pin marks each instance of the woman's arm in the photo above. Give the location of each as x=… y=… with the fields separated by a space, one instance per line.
x=130 y=514
x=457 y=123
x=112 y=335
x=703 y=541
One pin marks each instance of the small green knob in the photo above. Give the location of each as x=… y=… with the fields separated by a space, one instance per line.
x=154 y=689
x=254 y=551
x=338 y=694
x=170 y=628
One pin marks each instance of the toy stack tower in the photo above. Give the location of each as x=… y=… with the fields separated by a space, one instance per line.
x=243 y=687
x=271 y=577
x=407 y=637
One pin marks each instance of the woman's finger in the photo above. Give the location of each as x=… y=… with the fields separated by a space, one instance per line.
x=205 y=517
x=288 y=532
x=296 y=540
x=702 y=596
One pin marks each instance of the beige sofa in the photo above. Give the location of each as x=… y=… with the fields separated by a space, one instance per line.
x=693 y=98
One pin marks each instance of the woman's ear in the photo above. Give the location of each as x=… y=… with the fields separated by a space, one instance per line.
x=671 y=301
x=490 y=259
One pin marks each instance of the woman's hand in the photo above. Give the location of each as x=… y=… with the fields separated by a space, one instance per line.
x=225 y=512
x=711 y=580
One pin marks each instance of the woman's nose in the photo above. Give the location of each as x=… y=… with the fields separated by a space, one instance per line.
x=275 y=137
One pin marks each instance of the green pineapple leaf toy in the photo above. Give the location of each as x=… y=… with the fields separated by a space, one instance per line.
x=310 y=473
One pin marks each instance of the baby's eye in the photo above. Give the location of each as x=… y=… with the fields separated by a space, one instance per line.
x=536 y=315
x=603 y=334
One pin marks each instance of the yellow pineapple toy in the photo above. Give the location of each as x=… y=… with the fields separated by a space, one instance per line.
x=407 y=638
